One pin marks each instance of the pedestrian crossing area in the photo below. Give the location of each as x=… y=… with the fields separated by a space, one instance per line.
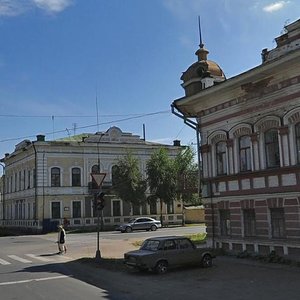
x=31 y=259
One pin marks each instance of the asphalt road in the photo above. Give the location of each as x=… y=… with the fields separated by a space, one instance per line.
x=31 y=269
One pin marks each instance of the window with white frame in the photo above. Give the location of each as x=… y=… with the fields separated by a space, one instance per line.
x=55 y=210
x=297 y=133
x=76 y=209
x=221 y=158
x=245 y=153
x=76 y=177
x=272 y=148
x=55 y=177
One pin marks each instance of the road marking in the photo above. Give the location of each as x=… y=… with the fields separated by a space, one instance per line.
x=4 y=262
x=31 y=280
x=45 y=259
x=23 y=260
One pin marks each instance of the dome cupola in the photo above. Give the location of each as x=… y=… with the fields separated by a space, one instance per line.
x=201 y=74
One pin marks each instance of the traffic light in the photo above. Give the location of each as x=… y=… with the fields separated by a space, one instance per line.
x=100 y=202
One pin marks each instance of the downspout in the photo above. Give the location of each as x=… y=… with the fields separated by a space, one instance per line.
x=3 y=194
x=35 y=182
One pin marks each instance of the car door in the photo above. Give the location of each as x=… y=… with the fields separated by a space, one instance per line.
x=138 y=224
x=186 y=252
x=170 y=252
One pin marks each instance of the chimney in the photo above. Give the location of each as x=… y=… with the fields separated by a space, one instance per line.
x=40 y=138
x=176 y=143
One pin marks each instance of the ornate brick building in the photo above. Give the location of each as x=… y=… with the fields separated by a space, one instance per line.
x=250 y=147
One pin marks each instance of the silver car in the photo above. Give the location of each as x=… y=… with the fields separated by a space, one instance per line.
x=143 y=223
x=160 y=253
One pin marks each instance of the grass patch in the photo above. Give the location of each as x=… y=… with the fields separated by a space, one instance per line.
x=198 y=239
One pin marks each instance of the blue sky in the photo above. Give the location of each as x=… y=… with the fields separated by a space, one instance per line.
x=58 y=56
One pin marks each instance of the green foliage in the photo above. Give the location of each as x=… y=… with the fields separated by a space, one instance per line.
x=161 y=175
x=187 y=177
x=127 y=180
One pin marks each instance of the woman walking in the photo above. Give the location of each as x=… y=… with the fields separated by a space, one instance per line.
x=61 y=240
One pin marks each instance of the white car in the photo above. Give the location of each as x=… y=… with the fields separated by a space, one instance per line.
x=143 y=223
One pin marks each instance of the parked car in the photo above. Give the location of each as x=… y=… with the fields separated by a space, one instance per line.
x=159 y=253
x=142 y=223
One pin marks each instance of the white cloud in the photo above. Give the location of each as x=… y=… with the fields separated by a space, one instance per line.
x=275 y=6
x=12 y=8
x=52 y=6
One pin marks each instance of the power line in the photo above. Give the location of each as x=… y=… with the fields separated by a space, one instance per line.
x=88 y=126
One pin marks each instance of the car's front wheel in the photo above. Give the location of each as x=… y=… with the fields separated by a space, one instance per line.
x=161 y=267
x=153 y=228
x=206 y=261
x=128 y=229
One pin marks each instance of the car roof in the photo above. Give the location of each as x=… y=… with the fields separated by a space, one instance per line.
x=171 y=237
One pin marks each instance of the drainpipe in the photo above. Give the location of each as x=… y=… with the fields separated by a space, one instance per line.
x=35 y=182
x=3 y=194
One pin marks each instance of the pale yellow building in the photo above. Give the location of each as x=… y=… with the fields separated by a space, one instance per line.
x=49 y=182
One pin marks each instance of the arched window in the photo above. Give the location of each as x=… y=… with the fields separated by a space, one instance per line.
x=245 y=153
x=297 y=131
x=221 y=158
x=272 y=148
x=55 y=177
x=76 y=177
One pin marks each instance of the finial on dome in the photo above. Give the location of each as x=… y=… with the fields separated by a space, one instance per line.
x=201 y=52
x=201 y=45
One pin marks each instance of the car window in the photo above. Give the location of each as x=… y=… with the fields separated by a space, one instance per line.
x=131 y=220
x=184 y=244
x=150 y=245
x=169 y=245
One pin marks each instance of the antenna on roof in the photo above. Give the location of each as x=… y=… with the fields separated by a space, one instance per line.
x=200 y=34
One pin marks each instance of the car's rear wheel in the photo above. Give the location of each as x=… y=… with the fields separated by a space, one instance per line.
x=161 y=267
x=206 y=261
x=128 y=229
x=153 y=227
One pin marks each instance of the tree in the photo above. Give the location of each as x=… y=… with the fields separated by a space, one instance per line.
x=128 y=182
x=187 y=177
x=161 y=178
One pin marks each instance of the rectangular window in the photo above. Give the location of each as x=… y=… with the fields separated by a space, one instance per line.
x=277 y=222
x=272 y=148
x=221 y=158
x=116 y=208
x=76 y=209
x=55 y=210
x=224 y=222
x=249 y=222
x=245 y=153
x=20 y=181
x=55 y=177
x=28 y=179
x=76 y=180
x=28 y=211
x=34 y=178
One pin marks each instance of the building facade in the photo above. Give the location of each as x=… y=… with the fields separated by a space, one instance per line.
x=250 y=148
x=49 y=182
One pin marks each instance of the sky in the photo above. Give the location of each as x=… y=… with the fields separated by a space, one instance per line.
x=81 y=66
